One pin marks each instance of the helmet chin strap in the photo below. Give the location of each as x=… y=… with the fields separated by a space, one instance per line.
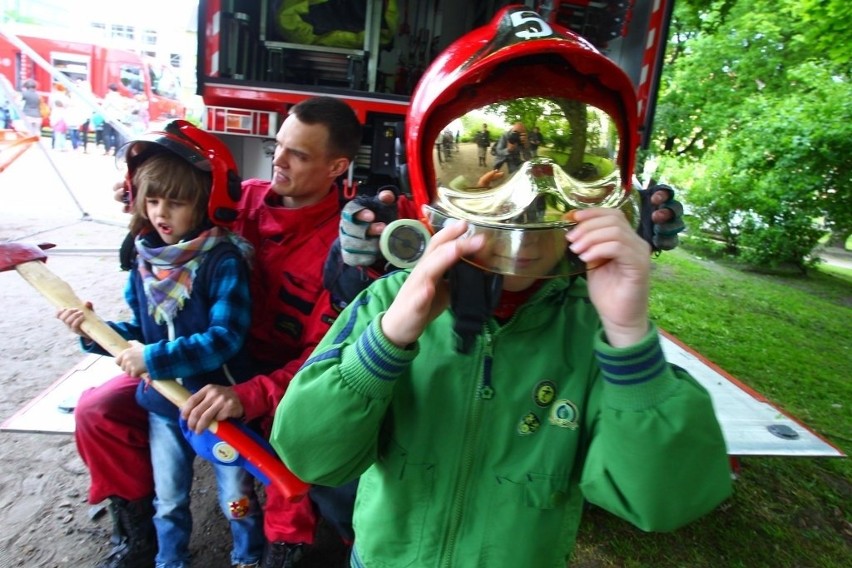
x=474 y=295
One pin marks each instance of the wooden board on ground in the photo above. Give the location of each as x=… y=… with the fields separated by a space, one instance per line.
x=52 y=411
x=751 y=425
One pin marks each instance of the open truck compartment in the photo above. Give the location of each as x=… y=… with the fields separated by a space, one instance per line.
x=258 y=58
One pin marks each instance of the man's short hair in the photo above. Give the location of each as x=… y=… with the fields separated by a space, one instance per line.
x=344 y=128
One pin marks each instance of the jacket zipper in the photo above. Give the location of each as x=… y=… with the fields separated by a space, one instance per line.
x=486 y=389
x=483 y=392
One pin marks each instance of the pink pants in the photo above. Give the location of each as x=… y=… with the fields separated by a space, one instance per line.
x=112 y=439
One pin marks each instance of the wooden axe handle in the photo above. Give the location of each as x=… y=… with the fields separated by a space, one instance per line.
x=61 y=295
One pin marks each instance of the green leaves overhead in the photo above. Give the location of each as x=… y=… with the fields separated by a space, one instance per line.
x=756 y=96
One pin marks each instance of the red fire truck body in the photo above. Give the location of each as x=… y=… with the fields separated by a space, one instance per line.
x=256 y=59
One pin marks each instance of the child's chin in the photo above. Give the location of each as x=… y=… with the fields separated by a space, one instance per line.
x=518 y=283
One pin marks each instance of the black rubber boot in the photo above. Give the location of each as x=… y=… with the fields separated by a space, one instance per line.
x=133 y=535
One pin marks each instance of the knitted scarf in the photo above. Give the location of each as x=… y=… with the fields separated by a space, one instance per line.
x=175 y=267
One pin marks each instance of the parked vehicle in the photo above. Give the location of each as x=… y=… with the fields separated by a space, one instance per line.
x=97 y=66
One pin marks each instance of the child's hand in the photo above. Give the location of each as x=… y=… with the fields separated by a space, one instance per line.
x=122 y=195
x=132 y=360
x=425 y=294
x=74 y=318
x=489 y=177
x=619 y=287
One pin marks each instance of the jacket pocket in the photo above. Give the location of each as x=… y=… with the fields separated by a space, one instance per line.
x=537 y=513
x=394 y=500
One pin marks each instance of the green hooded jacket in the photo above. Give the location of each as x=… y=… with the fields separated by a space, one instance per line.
x=485 y=459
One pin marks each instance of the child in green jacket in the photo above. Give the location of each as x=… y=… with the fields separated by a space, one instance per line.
x=513 y=373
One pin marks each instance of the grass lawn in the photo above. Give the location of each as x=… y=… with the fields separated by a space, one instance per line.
x=788 y=337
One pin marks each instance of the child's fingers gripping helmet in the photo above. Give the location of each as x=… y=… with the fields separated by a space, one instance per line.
x=201 y=149
x=520 y=68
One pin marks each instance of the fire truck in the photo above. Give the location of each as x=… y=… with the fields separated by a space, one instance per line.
x=258 y=58
x=95 y=65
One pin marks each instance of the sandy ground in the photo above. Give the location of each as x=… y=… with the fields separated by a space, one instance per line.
x=46 y=520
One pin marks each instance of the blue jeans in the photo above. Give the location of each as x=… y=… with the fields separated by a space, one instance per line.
x=74 y=136
x=172 y=459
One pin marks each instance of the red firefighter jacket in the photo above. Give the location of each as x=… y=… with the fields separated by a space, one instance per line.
x=291 y=311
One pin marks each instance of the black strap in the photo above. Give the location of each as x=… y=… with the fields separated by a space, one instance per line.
x=474 y=294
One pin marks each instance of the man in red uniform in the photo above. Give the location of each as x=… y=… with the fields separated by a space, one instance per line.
x=291 y=221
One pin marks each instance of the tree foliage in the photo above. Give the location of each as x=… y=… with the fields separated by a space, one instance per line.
x=755 y=108
x=825 y=24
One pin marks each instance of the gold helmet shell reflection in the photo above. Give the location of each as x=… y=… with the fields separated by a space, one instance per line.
x=539 y=195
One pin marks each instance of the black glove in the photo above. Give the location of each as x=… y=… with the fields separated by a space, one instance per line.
x=343 y=281
x=662 y=236
x=358 y=249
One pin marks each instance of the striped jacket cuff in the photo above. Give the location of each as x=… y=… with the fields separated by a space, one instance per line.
x=374 y=363
x=638 y=376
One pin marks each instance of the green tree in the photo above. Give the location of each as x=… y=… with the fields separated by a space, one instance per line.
x=757 y=109
x=825 y=24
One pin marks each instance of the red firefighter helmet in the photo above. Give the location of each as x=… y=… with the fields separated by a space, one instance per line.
x=516 y=67
x=201 y=149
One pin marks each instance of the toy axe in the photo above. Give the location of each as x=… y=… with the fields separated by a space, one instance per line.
x=259 y=458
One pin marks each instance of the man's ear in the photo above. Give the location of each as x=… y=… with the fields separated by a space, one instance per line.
x=339 y=166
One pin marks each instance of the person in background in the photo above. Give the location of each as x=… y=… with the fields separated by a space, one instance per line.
x=511 y=148
x=483 y=141
x=31 y=106
x=535 y=140
x=84 y=134
x=6 y=117
x=59 y=119
x=76 y=117
x=189 y=294
x=114 y=109
x=137 y=119
x=96 y=123
x=86 y=115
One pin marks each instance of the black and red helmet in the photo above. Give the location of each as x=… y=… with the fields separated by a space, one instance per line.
x=519 y=68
x=201 y=149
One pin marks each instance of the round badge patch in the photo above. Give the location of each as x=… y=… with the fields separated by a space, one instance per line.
x=544 y=393
x=224 y=452
x=528 y=424
x=564 y=414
